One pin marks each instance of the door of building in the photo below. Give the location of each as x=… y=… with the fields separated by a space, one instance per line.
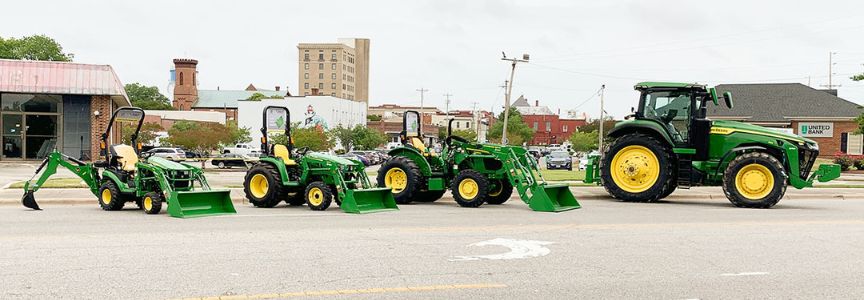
x=12 y=136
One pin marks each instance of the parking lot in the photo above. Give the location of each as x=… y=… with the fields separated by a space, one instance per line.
x=682 y=249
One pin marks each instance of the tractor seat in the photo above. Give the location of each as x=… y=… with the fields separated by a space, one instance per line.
x=124 y=157
x=282 y=152
x=417 y=143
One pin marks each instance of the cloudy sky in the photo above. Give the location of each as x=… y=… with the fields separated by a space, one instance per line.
x=453 y=46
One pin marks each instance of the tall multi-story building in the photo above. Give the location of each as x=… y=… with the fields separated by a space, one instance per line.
x=335 y=69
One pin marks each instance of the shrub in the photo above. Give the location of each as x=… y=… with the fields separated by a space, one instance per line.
x=859 y=164
x=844 y=161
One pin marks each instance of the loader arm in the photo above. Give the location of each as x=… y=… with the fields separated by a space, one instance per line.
x=86 y=172
x=356 y=192
x=539 y=195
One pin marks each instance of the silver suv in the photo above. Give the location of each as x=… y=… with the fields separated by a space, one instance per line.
x=174 y=154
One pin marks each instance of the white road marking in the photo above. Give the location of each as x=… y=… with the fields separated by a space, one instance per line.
x=518 y=249
x=745 y=274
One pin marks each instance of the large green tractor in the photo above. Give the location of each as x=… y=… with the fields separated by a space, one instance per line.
x=475 y=173
x=297 y=176
x=122 y=177
x=669 y=142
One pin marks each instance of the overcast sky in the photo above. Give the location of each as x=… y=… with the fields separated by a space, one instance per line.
x=455 y=46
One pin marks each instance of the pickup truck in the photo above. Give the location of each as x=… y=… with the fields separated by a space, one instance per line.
x=243 y=149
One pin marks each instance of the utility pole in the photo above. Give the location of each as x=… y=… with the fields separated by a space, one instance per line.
x=422 y=91
x=602 y=111
x=447 y=104
x=831 y=64
x=475 y=120
x=513 y=61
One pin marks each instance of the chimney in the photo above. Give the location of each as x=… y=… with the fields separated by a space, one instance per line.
x=277 y=88
x=536 y=102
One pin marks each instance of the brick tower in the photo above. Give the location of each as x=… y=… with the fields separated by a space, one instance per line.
x=185 y=84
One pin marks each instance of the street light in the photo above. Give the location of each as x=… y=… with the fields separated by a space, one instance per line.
x=513 y=61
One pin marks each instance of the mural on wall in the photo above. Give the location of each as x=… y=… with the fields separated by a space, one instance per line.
x=314 y=120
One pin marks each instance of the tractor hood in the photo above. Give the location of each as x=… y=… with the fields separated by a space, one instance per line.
x=331 y=158
x=166 y=164
x=728 y=127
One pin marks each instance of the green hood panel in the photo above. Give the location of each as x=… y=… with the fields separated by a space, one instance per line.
x=166 y=164
x=331 y=158
x=758 y=130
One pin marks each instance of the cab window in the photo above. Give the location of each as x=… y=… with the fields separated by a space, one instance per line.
x=670 y=108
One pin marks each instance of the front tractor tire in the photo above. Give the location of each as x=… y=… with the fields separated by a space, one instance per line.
x=402 y=176
x=754 y=180
x=637 y=168
x=110 y=197
x=152 y=203
x=470 y=188
x=499 y=191
x=263 y=186
x=318 y=196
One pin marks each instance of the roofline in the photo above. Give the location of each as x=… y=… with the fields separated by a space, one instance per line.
x=821 y=118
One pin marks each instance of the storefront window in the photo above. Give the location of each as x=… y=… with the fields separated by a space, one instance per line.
x=30 y=125
x=29 y=102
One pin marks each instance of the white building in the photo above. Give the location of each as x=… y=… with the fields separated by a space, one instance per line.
x=320 y=111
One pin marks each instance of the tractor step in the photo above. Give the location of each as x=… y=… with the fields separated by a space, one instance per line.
x=685 y=171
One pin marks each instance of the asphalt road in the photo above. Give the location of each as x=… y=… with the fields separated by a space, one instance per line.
x=681 y=250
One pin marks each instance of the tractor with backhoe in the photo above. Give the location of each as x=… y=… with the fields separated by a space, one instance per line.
x=475 y=173
x=669 y=142
x=122 y=177
x=296 y=176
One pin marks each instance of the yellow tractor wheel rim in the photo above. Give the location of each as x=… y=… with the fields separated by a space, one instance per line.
x=316 y=196
x=635 y=169
x=148 y=203
x=258 y=186
x=468 y=189
x=754 y=181
x=396 y=179
x=499 y=187
x=106 y=196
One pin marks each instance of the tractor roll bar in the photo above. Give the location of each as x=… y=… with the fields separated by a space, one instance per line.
x=265 y=137
x=103 y=149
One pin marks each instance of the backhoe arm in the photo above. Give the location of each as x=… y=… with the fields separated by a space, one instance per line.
x=85 y=171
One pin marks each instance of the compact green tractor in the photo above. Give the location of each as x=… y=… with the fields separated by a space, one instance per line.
x=475 y=173
x=122 y=178
x=297 y=177
x=670 y=143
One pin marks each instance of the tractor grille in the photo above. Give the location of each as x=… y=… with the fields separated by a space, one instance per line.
x=806 y=159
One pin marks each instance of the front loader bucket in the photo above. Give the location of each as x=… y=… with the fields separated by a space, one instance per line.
x=368 y=201
x=200 y=203
x=552 y=197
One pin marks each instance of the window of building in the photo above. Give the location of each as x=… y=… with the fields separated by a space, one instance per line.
x=320 y=85
x=548 y=126
x=194 y=81
x=180 y=78
x=320 y=66
x=332 y=66
x=457 y=125
x=535 y=126
x=306 y=76
x=320 y=56
x=343 y=86
x=343 y=76
x=564 y=128
x=467 y=124
x=306 y=56
x=306 y=66
x=333 y=94
x=333 y=76
x=333 y=56
x=306 y=85
x=320 y=75
x=333 y=86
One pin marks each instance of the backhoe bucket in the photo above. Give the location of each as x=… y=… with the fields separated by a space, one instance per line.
x=368 y=201
x=29 y=200
x=552 y=198
x=200 y=203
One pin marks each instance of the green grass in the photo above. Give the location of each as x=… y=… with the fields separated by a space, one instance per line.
x=55 y=183
x=563 y=175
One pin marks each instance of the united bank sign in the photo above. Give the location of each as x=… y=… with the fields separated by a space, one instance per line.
x=816 y=129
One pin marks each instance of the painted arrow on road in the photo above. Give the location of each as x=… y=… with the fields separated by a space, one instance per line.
x=518 y=249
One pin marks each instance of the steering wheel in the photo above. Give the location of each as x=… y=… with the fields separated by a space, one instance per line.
x=302 y=150
x=454 y=137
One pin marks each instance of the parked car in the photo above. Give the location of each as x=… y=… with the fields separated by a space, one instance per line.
x=243 y=149
x=560 y=159
x=191 y=154
x=228 y=160
x=373 y=158
x=175 y=154
x=535 y=153
x=356 y=157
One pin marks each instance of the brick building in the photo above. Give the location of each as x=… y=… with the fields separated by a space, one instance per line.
x=187 y=96
x=549 y=127
x=795 y=108
x=46 y=105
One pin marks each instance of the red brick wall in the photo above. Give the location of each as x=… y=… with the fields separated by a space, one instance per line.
x=830 y=146
x=99 y=123
x=556 y=134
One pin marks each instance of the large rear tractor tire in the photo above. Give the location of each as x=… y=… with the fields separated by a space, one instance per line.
x=263 y=186
x=318 y=196
x=499 y=191
x=470 y=188
x=637 y=168
x=401 y=175
x=110 y=197
x=754 y=180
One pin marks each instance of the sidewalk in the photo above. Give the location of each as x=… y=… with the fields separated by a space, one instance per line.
x=76 y=196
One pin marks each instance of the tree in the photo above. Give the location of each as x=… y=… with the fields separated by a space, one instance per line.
x=517 y=131
x=469 y=135
x=584 y=141
x=146 y=136
x=258 y=96
x=203 y=137
x=374 y=118
x=344 y=135
x=34 y=47
x=313 y=137
x=858 y=77
x=594 y=125
x=239 y=135
x=147 y=97
x=368 y=138
x=860 y=120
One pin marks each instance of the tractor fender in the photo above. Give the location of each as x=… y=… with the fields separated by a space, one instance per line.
x=124 y=188
x=641 y=126
x=276 y=163
x=414 y=156
x=745 y=149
